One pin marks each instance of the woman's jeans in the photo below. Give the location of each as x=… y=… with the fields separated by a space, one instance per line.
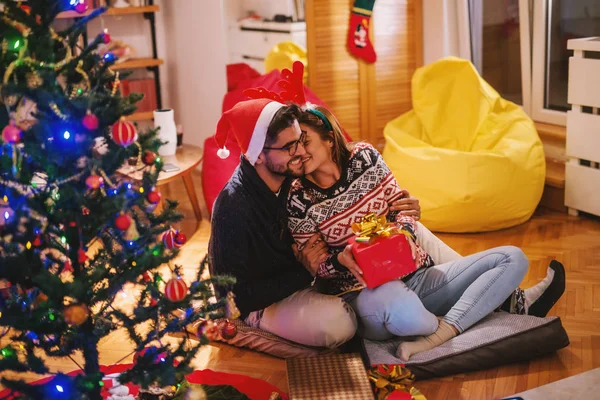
x=463 y=291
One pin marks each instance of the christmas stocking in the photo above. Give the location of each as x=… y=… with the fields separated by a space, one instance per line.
x=359 y=43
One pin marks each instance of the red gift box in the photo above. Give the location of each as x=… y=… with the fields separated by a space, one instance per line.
x=384 y=259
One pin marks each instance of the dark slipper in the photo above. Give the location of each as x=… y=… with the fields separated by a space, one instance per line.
x=542 y=306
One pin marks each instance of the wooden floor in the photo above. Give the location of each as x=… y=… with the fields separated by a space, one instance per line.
x=549 y=235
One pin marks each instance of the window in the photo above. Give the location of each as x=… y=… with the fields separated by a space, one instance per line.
x=520 y=48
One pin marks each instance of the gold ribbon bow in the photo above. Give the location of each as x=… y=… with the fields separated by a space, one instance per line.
x=372 y=227
x=389 y=378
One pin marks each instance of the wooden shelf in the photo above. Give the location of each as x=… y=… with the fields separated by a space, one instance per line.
x=111 y=11
x=141 y=116
x=138 y=63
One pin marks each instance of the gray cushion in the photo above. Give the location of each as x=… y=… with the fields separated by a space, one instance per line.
x=498 y=339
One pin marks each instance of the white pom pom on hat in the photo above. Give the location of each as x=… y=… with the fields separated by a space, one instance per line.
x=223 y=153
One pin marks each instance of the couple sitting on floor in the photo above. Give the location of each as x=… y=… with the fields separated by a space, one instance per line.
x=280 y=227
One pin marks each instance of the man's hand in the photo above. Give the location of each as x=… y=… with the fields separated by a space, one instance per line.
x=312 y=254
x=407 y=205
x=346 y=258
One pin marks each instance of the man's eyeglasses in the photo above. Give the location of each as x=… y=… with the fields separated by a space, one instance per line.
x=292 y=147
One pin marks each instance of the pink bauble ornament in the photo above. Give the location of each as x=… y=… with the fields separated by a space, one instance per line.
x=175 y=290
x=208 y=329
x=81 y=7
x=90 y=121
x=11 y=133
x=124 y=133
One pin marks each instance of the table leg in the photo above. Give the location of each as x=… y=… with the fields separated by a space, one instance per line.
x=191 y=190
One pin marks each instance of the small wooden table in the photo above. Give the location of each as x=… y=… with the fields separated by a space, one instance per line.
x=186 y=158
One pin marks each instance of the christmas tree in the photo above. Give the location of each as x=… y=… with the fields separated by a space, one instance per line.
x=73 y=230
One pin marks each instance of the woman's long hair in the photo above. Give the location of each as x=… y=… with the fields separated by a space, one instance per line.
x=341 y=150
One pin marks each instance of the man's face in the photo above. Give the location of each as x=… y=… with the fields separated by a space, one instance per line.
x=278 y=159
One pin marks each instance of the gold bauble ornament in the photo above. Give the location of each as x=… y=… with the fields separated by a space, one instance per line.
x=76 y=314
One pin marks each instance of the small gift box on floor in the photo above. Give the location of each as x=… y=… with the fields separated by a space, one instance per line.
x=381 y=250
x=331 y=377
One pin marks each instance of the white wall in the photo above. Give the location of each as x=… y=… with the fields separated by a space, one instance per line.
x=193 y=44
x=191 y=39
x=440 y=29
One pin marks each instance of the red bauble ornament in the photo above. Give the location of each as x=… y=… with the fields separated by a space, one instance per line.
x=81 y=7
x=180 y=239
x=106 y=37
x=11 y=133
x=85 y=211
x=123 y=222
x=146 y=277
x=208 y=329
x=37 y=242
x=81 y=256
x=169 y=241
x=94 y=181
x=153 y=197
x=175 y=290
x=227 y=329
x=90 y=121
x=153 y=302
x=149 y=157
x=123 y=133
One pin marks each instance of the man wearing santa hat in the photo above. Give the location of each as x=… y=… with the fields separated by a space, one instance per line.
x=250 y=239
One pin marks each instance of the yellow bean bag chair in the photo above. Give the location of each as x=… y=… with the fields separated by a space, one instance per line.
x=283 y=55
x=474 y=160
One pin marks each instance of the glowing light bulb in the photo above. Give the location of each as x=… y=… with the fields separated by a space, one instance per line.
x=59 y=389
x=67 y=135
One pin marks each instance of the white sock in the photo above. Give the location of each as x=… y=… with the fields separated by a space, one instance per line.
x=534 y=293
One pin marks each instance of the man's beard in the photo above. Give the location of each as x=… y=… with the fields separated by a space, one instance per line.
x=285 y=170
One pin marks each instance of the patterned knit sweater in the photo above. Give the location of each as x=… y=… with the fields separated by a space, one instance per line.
x=365 y=186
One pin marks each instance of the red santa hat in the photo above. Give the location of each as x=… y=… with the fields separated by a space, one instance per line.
x=248 y=121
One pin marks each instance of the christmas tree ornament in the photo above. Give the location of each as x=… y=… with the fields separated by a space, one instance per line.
x=176 y=290
x=358 y=42
x=146 y=277
x=25 y=116
x=153 y=302
x=180 y=239
x=109 y=58
x=231 y=310
x=149 y=157
x=123 y=222
x=100 y=147
x=76 y=314
x=82 y=256
x=153 y=197
x=90 y=121
x=94 y=182
x=11 y=133
x=168 y=239
x=123 y=133
x=208 y=329
x=81 y=7
x=37 y=242
x=106 y=37
x=227 y=329
x=41 y=297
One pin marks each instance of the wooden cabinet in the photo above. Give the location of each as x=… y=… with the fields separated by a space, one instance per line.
x=364 y=97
